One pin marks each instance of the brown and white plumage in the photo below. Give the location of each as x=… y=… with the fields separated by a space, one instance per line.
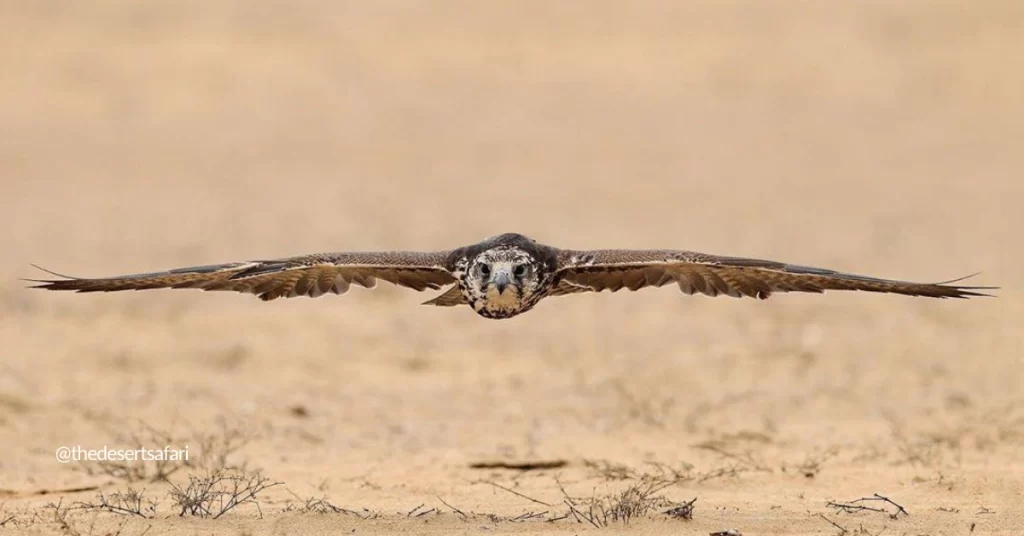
x=508 y=274
x=729 y=276
x=307 y=275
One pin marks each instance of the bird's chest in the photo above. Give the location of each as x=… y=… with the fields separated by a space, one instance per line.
x=491 y=303
x=509 y=300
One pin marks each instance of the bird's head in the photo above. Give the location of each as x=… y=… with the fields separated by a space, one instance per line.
x=503 y=282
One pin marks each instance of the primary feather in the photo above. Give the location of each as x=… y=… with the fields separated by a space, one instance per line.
x=507 y=275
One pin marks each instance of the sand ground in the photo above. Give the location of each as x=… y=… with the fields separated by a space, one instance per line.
x=870 y=137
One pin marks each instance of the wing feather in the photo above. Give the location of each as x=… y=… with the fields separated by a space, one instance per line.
x=308 y=275
x=714 y=275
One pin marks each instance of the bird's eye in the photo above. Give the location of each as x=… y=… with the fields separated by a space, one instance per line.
x=484 y=269
x=519 y=271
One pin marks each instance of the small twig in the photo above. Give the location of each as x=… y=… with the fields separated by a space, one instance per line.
x=733 y=470
x=834 y=524
x=683 y=511
x=454 y=509
x=50 y=491
x=746 y=458
x=529 y=515
x=425 y=512
x=519 y=466
x=514 y=492
x=357 y=514
x=588 y=517
x=877 y=497
x=128 y=503
x=562 y=489
x=411 y=512
x=572 y=510
x=852 y=506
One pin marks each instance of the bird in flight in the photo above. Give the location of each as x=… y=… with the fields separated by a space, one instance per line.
x=507 y=275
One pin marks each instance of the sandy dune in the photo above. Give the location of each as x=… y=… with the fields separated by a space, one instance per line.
x=869 y=138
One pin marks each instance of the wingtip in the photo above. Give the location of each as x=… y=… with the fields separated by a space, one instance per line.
x=65 y=282
x=51 y=272
x=973 y=292
x=959 y=279
x=964 y=292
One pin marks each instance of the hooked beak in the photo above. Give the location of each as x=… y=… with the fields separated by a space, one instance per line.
x=501 y=281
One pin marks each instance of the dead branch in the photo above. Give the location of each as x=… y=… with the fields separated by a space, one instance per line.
x=514 y=492
x=682 y=511
x=454 y=509
x=842 y=530
x=130 y=503
x=219 y=492
x=855 y=506
x=520 y=466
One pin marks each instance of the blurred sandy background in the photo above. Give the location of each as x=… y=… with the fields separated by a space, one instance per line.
x=868 y=137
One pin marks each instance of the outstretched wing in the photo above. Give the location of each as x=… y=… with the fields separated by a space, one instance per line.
x=308 y=275
x=712 y=275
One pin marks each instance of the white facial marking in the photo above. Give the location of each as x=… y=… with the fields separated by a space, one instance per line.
x=507 y=267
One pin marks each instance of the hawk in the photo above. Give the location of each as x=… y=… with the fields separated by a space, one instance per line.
x=507 y=275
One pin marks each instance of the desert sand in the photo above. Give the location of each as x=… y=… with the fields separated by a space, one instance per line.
x=868 y=137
